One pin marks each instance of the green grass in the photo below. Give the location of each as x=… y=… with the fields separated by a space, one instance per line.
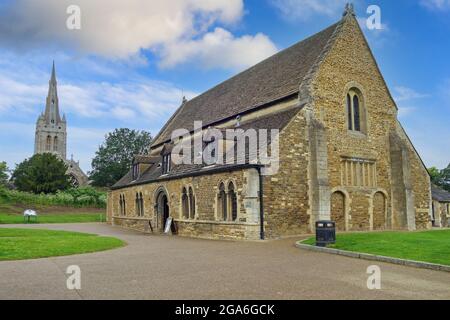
x=425 y=246
x=6 y=218
x=19 y=244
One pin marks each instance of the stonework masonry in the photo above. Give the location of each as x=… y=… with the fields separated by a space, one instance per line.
x=366 y=179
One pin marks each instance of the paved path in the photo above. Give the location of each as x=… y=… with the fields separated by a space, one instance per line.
x=159 y=267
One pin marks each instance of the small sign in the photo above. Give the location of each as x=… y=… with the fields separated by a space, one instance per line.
x=168 y=225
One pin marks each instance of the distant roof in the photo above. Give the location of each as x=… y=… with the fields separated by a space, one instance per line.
x=273 y=79
x=440 y=194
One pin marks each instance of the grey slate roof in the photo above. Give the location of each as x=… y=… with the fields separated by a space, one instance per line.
x=440 y=194
x=154 y=173
x=270 y=80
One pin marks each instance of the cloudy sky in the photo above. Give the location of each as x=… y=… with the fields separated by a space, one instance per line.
x=132 y=61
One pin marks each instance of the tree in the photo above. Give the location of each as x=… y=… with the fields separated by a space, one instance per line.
x=435 y=175
x=42 y=173
x=440 y=178
x=4 y=176
x=113 y=158
x=445 y=178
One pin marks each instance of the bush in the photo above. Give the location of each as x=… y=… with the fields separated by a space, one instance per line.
x=86 y=197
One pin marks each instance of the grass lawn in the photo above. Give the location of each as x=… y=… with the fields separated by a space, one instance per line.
x=19 y=244
x=6 y=218
x=426 y=246
x=13 y=214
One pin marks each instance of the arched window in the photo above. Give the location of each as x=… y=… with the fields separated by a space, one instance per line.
x=191 y=204
x=55 y=144
x=48 y=144
x=232 y=201
x=141 y=204
x=222 y=203
x=355 y=111
x=122 y=205
x=138 y=205
x=184 y=204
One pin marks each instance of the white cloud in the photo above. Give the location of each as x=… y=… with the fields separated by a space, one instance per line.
x=439 y=5
x=123 y=100
x=219 y=49
x=405 y=93
x=120 y=29
x=305 y=9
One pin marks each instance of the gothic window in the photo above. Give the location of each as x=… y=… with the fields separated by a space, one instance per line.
x=222 y=203
x=139 y=205
x=233 y=201
x=48 y=144
x=184 y=204
x=135 y=171
x=55 y=144
x=122 y=205
x=166 y=164
x=355 y=111
x=191 y=204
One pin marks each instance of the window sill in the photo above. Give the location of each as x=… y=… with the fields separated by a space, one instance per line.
x=357 y=134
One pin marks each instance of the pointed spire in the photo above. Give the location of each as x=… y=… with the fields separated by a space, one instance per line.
x=349 y=10
x=53 y=79
x=52 y=106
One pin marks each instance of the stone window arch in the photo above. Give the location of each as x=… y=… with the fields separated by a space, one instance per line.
x=379 y=210
x=222 y=211
x=339 y=209
x=48 y=144
x=55 y=143
x=139 y=204
x=191 y=203
x=184 y=204
x=122 y=203
x=232 y=200
x=356 y=111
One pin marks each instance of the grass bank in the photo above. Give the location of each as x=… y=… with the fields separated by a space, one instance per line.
x=425 y=246
x=19 y=244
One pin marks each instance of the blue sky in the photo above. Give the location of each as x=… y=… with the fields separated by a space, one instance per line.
x=132 y=61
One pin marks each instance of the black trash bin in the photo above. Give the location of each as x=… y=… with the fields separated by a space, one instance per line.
x=325 y=233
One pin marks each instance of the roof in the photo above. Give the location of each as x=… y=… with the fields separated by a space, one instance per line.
x=146 y=159
x=440 y=194
x=273 y=79
x=277 y=121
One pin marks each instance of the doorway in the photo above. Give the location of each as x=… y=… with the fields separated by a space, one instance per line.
x=163 y=210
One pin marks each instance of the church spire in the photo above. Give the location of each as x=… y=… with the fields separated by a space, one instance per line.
x=52 y=115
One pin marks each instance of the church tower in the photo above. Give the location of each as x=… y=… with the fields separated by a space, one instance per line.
x=51 y=134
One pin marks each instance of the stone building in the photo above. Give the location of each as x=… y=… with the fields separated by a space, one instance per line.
x=343 y=154
x=441 y=207
x=51 y=134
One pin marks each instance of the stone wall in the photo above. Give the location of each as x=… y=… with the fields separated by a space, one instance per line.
x=207 y=222
x=286 y=193
x=350 y=64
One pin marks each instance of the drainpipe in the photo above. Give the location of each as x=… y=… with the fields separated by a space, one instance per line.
x=261 y=205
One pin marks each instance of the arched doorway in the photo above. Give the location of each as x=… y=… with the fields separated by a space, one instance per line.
x=162 y=210
x=338 y=210
x=379 y=211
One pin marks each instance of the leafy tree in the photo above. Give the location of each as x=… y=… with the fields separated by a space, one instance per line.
x=445 y=178
x=4 y=176
x=42 y=173
x=113 y=158
x=440 y=178
x=436 y=176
